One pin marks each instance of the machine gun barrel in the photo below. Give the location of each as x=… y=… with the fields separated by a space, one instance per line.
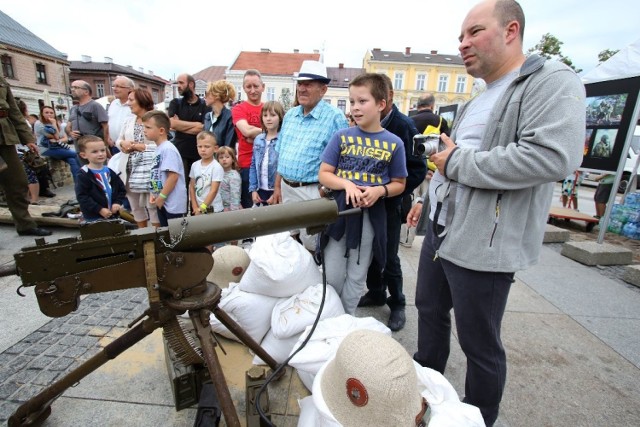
x=203 y=230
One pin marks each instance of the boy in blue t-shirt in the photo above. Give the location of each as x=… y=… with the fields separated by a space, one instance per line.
x=362 y=165
x=99 y=190
x=167 y=181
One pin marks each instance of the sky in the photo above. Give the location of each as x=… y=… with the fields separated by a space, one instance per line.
x=172 y=37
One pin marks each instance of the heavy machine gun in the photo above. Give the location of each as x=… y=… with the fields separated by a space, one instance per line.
x=172 y=264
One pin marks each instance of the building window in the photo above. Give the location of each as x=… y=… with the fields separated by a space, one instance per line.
x=421 y=79
x=7 y=67
x=41 y=74
x=342 y=105
x=398 y=81
x=271 y=94
x=461 y=84
x=99 y=88
x=443 y=82
x=239 y=92
x=327 y=100
x=155 y=94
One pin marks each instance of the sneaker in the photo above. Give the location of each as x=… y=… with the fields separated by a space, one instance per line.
x=406 y=244
x=397 y=319
x=368 y=301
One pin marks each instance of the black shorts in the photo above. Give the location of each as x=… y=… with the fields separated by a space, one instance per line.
x=603 y=191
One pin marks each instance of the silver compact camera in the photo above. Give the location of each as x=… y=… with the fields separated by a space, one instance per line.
x=426 y=145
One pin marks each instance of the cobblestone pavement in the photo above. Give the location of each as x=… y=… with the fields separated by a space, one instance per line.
x=63 y=344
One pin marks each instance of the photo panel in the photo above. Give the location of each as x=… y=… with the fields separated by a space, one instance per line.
x=609 y=109
x=448 y=113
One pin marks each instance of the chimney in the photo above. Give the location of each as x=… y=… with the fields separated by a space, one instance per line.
x=296 y=50
x=129 y=66
x=108 y=60
x=407 y=51
x=265 y=50
x=341 y=65
x=150 y=73
x=434 y=52
x=85 y=58
x=141 y=70
x=316 y=51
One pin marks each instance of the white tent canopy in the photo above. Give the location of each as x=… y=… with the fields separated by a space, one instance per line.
x=622 y=65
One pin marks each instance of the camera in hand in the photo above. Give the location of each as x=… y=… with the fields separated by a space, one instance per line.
x=426 y=145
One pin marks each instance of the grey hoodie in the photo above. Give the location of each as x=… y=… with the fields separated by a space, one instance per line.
x=534 y=137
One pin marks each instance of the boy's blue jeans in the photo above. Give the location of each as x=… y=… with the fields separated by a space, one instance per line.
x=165 y=216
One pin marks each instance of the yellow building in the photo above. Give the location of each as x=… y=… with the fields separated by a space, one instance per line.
x=414 y=74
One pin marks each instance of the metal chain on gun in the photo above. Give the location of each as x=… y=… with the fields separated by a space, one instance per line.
x=175 y=240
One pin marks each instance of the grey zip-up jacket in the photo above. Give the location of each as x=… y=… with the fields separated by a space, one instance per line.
x=534 y=137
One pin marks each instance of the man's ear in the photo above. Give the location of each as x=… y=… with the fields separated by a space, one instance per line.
x=512 y=31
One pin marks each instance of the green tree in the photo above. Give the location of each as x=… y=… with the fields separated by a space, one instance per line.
x=606 y=54
x=551 y=48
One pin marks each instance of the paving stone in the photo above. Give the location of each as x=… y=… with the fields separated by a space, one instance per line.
x=61 y=363
x=51 y=338
x=92 y=321
x=75 y=351
x=52 y=325
x=46 y=378
x=20 y=362
x=36 y=349
x=26 y=392
x=632 y=274
x=86 y=342
x=77 y=319
x=81 y=330
x=69 y=340
x=109 y=322
x=42 y=362
x=6 y=409
x=7 y=389
x=35 y=337
x=25 y=376
x=18 y=348
x=57 y=349
x=593 y=253
x=5 y=373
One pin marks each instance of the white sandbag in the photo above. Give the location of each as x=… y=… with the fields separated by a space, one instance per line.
x=446 y=408
x=278 y=349
x=293 y=315
x=251 y=311
x=280 y=267
x=311 y=417
x=306 y=378
x=327 y=337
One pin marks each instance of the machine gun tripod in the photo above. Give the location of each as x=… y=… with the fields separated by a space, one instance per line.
x=172 y=265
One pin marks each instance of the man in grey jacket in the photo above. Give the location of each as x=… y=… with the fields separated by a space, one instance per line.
x=490 y=199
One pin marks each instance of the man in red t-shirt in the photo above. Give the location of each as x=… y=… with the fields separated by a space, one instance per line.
x=246 y=118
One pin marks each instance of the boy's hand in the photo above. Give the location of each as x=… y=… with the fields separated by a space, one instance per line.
x=414 y=215
x=256 y=198
x=105 y=213
x=353 y=194
x=115 y=208
x=370 y=195
x=159 y=202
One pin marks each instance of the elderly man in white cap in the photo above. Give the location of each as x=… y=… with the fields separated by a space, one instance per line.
x=305 y=132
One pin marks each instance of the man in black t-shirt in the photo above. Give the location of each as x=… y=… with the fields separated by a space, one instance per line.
x=425 y=115
x=187 y=118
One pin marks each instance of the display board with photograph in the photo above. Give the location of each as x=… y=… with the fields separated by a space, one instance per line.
x=448 y=113
x=609 y=110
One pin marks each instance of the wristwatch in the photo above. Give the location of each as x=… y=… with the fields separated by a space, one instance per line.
x=324 y=191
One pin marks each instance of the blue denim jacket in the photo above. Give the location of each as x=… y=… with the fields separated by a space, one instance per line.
x=259 y=145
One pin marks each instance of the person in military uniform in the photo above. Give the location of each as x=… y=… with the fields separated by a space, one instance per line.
x=13 y=179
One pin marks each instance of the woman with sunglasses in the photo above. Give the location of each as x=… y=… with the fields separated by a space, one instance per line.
x=53 y=140
x=219 y=121
x=134 y=164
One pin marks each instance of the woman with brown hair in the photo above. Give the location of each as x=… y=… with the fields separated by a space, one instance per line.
x=134 y=164
x=53 y=140
x=219 y=121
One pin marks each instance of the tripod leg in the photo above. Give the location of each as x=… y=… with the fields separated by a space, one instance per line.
x=246 y=339
x=33 y=410
x=200 y=319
